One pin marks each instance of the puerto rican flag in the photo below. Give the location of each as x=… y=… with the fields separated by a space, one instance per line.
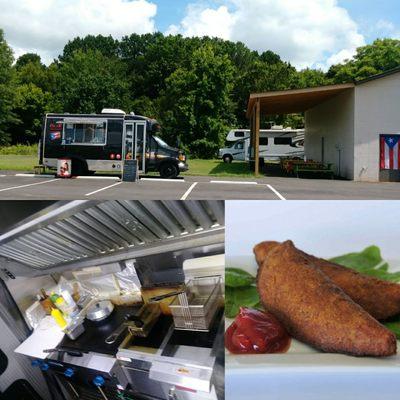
x=390 y=152
x=55 y=135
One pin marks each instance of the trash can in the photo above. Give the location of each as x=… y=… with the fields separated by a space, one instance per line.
x=64 y=166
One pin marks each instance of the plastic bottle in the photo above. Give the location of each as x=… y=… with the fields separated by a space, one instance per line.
x=58 y=317
x=46 y=302
x=54 y=297
x=72 y=307
x=62 y=305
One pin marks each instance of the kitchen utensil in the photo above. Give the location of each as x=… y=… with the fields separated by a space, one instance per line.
x=143 y=322
x=116 y=334
x=150 y=292
x=99 y=310
x=164 y=296
x=195 y=309
x=62 y=350
x=138 y=324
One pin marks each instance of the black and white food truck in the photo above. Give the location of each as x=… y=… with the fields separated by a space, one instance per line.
x=103 y=142
x=112 y=300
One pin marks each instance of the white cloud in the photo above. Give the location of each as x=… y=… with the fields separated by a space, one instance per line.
x=45 y=26
x=384 y=28
x=201 y=21
x=304 y=32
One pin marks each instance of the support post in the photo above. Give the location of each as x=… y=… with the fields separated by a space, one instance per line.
x=251 y=144
x=257 y=138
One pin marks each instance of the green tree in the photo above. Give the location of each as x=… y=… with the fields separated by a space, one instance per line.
x=35 y=85
x=30 y=104
x=31 y=70
x=151 y=59
x=89 y=81
x=7 y=85
x=106 y=45
x=261 y=76
x=27 y=58
x=380 y=56
x=308 y=78
x=196 y=107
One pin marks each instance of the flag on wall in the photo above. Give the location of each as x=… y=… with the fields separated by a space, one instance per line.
x=390 y=152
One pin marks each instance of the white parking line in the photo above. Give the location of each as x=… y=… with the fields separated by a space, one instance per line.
x=235 y=182
x=111 y=178
x=162 y=180
x=30 y=184
x=36 y=175
x=2 y=176
x=276 y=192
x=104 y=188
x=184 y=197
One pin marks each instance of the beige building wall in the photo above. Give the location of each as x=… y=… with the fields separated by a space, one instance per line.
x=332 y=120
x=377 y=111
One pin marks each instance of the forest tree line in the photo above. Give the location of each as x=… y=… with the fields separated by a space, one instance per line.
x=196 y=87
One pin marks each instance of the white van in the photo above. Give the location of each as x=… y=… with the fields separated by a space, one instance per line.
x=274 y=144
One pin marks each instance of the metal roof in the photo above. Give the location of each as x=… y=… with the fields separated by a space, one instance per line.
x=83 y=230
x=300 y=100
x=379 y=76
x=294 y=101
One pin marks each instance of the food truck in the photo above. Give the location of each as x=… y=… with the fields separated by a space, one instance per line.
x=106 y=141
x=113 y=300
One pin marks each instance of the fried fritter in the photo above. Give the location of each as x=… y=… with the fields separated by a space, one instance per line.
x=316 y=311
x=378 y=297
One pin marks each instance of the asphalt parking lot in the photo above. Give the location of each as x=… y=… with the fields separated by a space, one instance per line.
x=25 y=186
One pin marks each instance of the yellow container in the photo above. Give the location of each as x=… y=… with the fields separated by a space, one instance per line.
x=58 y=317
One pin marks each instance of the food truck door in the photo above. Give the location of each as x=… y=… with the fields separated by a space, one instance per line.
x=135 y=142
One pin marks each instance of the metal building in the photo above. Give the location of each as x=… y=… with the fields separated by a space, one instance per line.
x=354 y=126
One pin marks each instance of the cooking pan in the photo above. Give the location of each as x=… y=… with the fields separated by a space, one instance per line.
x=99 y=310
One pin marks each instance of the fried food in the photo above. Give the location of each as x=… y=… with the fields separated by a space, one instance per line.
x=378 y=297
x=316 y=311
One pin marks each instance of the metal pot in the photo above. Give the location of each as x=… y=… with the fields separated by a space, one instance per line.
x=99 y=310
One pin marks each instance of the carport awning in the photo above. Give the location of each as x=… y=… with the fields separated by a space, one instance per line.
x=294 y=101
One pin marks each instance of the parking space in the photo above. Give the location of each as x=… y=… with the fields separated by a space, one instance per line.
x=23 y=186
x=231 y=190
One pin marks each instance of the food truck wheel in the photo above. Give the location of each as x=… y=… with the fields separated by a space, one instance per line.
x=227 y=158
x=169 y=171
x=79 y=167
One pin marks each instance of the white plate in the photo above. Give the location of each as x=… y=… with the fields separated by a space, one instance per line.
x=305 y=373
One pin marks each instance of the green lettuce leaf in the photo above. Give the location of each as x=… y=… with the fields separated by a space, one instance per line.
x=369 y=262
x=237 y=297
x=236 y=277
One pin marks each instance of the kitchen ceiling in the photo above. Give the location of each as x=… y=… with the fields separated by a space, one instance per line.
x=80 y=230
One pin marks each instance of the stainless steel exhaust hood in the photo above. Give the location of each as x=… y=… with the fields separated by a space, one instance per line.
x=70 y=235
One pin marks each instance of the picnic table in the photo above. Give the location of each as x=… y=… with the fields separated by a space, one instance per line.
x=296 y=166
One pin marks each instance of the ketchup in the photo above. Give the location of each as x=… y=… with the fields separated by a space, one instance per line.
x=256 y=332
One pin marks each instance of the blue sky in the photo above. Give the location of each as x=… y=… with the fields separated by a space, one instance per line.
x=306 y=33
x=169 y=12
x=367 y=13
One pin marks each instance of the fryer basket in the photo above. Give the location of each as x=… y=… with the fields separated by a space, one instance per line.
x=195 y=308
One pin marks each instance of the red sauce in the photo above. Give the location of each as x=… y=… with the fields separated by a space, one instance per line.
x=256 y=332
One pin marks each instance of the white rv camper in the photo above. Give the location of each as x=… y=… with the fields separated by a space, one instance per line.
x=275 y=143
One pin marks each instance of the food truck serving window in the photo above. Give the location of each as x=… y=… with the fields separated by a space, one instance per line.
x=85 y=132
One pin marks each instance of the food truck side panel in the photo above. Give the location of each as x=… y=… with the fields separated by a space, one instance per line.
x=99 y=153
